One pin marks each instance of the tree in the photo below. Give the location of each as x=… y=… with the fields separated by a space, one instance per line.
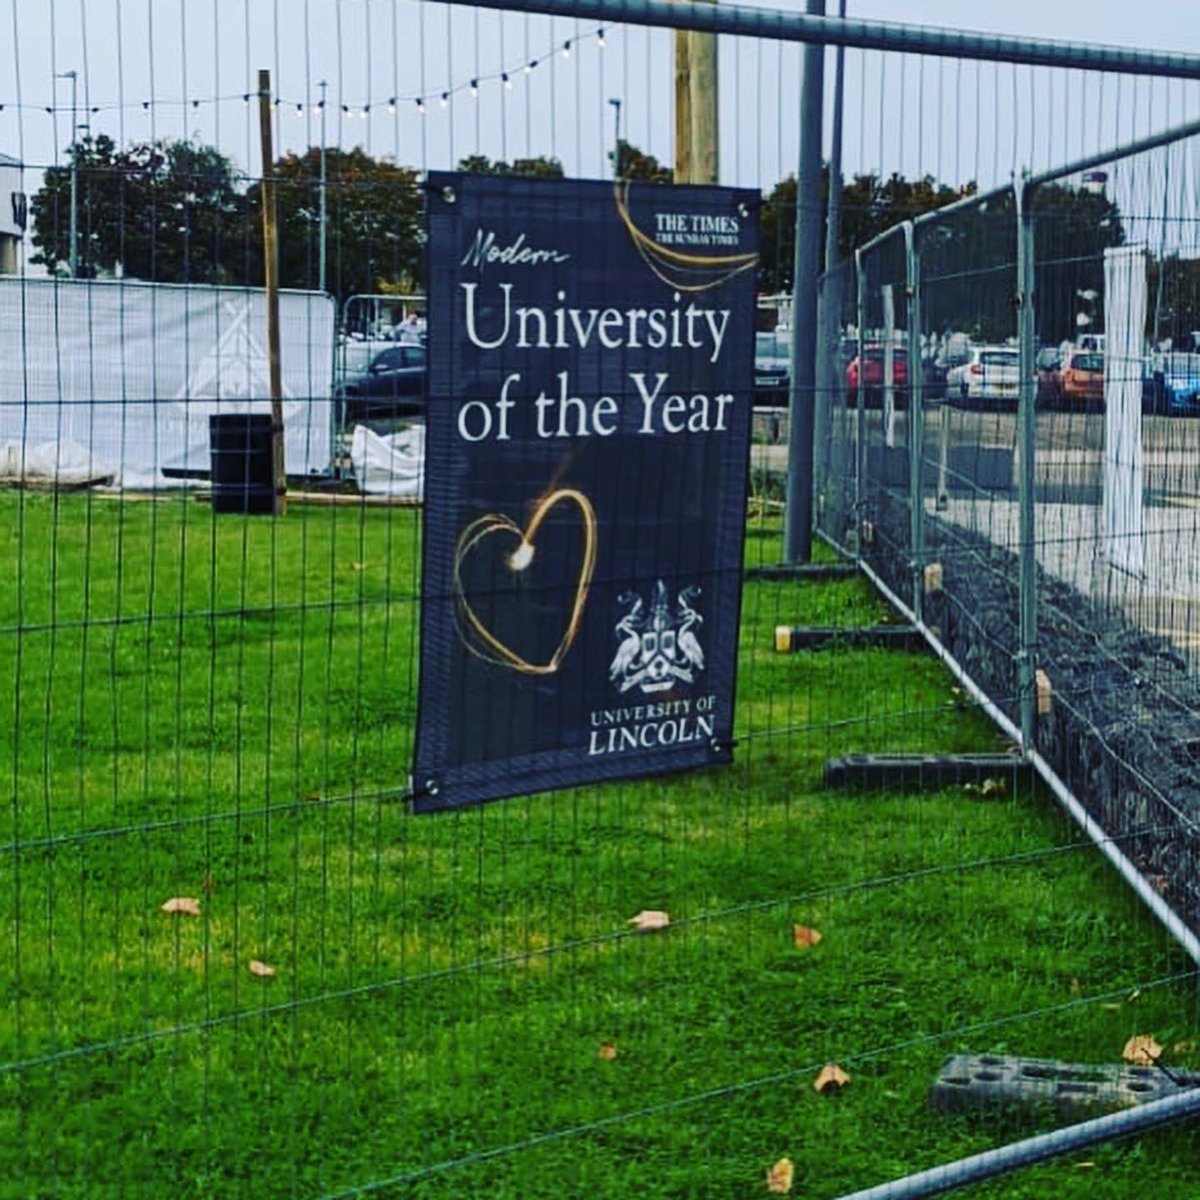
x=869 y=206
x=540 y=167
x=167 y=211
x=374 y=230
x=635 y=164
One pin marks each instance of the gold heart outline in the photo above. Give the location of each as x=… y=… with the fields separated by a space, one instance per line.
x=493 y=650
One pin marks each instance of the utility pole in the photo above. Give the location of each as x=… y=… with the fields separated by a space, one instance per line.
x=271 y=264
x=74 y=253
x=323 y=218
x=696 y=154
x=807 y=267
x=616 y=103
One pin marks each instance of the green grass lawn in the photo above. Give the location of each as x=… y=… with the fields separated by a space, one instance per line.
x=223 y=709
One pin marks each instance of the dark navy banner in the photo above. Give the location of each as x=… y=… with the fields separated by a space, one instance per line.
x=591 y=372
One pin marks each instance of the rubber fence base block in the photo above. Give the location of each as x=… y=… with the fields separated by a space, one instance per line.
x=973 y=1082
x=811 y=571
x=925 y=772
x=789 y=638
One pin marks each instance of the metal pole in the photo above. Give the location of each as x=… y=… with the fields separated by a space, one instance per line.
x=778 y=25
x=916 y=419
x=833 y=206
x=990 y=1163
x=860 y=446
x=321 y=235
x=798 y=515
x=829 y=307
x=1026 y=438
x=73 y=258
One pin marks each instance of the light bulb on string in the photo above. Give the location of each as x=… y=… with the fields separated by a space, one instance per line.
x=601 y=42
x=566 y=48
x=530 y=65
x=420 y=106
x=475 y=89
x=444 y=100
x=392 y=105
x=504 y=79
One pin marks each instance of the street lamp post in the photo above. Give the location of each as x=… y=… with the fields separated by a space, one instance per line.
x=616 y=103
x=74 y=255
x=321 y=236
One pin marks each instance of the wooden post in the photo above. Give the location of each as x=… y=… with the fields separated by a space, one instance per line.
x=696 y=139
x=702 y=61
x=271 y=271
x=683 y=108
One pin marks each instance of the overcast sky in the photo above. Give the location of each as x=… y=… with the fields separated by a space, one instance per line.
x=174 y=68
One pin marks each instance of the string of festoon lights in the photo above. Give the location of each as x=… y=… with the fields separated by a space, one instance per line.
x=473 y=87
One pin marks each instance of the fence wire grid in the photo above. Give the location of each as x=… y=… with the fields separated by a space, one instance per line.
x=237 y=964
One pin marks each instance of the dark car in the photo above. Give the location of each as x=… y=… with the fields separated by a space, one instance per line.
x=393 y=385
x=772 y=369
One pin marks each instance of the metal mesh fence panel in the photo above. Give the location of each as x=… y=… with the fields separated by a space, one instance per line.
x=835 y=437
x=877 y=386
x=236 y=962
x=968 y=288
x=1115 y=467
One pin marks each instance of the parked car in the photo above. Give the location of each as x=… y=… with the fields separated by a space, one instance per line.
x=772 y=369
x=1081 y=379
x=865 y=372
x=393 y=385
x=1172 y=385
x=992 y=375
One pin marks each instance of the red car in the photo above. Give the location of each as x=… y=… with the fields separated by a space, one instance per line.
x=1081 y=379
x=868 y=375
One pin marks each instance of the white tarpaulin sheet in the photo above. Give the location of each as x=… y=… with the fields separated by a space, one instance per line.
x=131 y=372
x=1124 y=322
x=389 y=466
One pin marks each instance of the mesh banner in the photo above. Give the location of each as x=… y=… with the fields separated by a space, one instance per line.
x=591 y=375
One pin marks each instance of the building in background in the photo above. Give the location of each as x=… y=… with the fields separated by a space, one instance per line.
x=13 y=214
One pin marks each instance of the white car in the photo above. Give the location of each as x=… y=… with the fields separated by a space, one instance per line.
x=991 y=375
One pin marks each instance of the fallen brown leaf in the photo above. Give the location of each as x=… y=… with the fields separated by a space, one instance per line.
x=183 y=905
x=1142 y=1050
x=650 y=919
x=261 y=969
x=780 y=1176
x=993 y=787
x=608 y=1051
x=803 y=936
x=1184 y=1047
x=830 y=1076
